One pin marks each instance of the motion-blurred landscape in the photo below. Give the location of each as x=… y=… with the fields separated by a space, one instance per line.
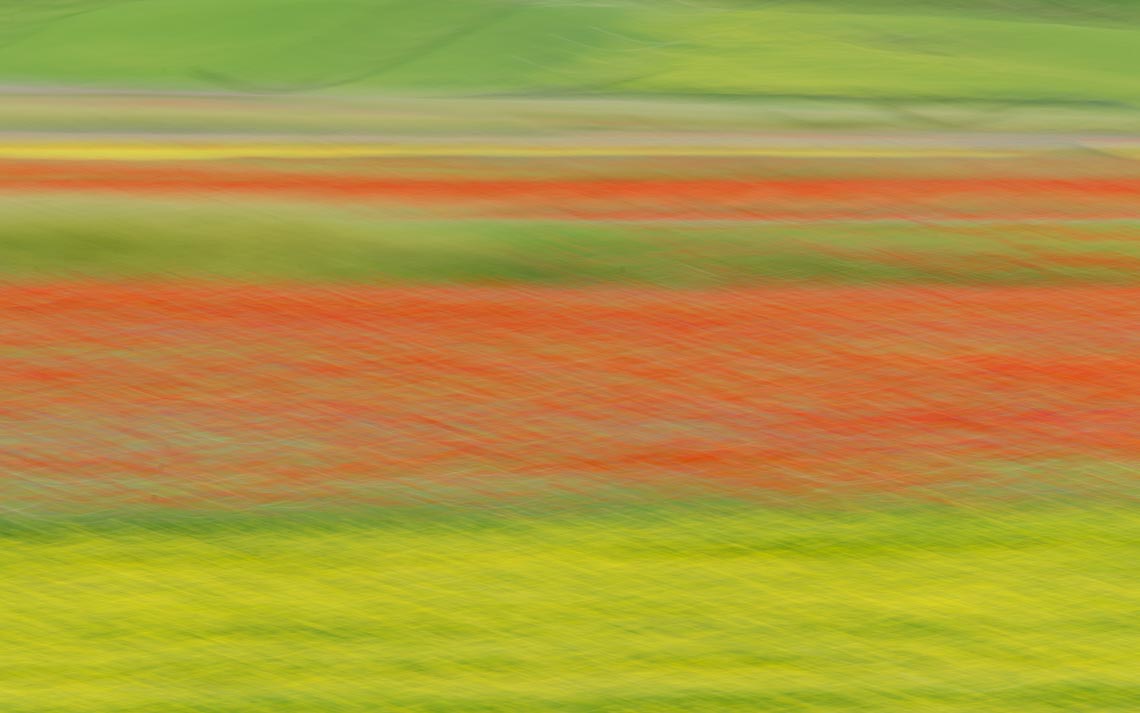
x=602 y=356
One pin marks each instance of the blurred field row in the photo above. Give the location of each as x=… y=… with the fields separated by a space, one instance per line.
x=79 y=237
x=670 y=221
x=158 y=112
x=215 y=395
x=690 y=606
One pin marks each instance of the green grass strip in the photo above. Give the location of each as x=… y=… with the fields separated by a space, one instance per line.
x=46 y=238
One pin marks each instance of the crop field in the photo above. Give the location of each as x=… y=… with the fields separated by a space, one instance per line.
x=536 y=434
x=668 y=607
x=523 y=356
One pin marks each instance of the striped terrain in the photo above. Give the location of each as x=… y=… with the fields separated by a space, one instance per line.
x=445 y=434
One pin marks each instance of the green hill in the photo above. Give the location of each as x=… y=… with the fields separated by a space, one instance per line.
x=1017 y=50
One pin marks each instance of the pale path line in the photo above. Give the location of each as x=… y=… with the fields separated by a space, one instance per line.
x=316 y=150
x=143 y=147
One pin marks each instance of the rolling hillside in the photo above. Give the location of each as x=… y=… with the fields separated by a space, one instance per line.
x=1028 y=51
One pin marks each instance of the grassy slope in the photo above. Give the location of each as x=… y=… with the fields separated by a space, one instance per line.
x=470 y=45
x=701 y=607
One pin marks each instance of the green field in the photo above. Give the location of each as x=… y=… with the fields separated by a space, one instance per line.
x=650 y=608
x=525 y=67
x=1050 y=53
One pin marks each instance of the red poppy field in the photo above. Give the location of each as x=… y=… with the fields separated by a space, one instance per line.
x=228 y=395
